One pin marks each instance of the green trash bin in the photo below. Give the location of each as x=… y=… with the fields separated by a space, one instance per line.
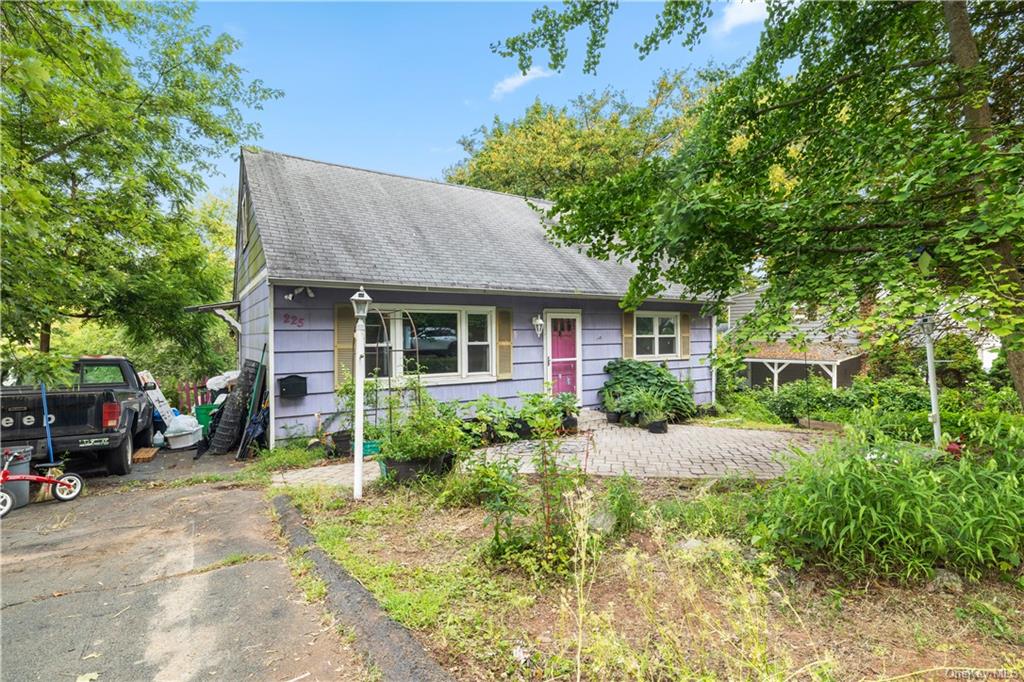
x=204 y=416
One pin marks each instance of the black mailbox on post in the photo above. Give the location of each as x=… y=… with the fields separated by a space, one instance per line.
x=292 y=386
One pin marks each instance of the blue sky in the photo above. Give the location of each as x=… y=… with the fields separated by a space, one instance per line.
x=392 y=86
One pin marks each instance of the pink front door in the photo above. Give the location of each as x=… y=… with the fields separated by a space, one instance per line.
x=563 y=354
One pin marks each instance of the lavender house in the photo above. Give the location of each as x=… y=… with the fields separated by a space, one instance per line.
x=464 y=282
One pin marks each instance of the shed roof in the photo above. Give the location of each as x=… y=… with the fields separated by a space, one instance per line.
x=815 y=352
x=332 y=224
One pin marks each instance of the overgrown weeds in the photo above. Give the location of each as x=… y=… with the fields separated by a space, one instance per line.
x=884 y=508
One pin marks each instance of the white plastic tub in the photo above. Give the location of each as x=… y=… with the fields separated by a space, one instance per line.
x=185 y=439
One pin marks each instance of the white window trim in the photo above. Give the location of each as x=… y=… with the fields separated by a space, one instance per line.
x=462 y=376
x=636 y=337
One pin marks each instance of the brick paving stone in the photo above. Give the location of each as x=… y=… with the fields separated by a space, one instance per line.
x=332 y=474
x=686 y=451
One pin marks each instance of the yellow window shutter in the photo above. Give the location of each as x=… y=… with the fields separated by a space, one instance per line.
x=503 y=322
x=684 y=335
x=627 y=335
x=344 y=341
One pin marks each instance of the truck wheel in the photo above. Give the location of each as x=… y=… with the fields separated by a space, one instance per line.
x=146 y=436
x=119 y=460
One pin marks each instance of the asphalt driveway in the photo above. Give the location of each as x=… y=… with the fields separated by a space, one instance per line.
x=160 y=584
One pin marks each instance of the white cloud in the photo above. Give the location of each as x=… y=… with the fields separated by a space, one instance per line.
x=514 y=82
x=740 y=13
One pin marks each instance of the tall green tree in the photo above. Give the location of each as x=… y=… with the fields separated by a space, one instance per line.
x=597 y=136
x=112 y=114
x=868 y=152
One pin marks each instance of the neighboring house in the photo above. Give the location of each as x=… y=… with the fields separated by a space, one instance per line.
x=464 y=282
x=837 y=358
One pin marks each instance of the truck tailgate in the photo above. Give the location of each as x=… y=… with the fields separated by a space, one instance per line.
x=72 y=412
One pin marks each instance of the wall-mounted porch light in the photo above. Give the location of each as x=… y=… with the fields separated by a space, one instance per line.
x=538 y=324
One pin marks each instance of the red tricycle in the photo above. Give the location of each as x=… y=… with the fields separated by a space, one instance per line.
x=65 y=487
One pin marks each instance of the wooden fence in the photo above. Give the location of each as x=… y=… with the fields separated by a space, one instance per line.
x=192 y=393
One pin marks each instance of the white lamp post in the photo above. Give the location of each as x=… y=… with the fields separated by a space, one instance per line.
x=928 y=328
x=360 y=304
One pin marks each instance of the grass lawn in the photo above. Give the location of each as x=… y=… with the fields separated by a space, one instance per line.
x=655 y=607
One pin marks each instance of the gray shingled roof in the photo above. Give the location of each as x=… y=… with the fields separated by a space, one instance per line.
x=328 y=223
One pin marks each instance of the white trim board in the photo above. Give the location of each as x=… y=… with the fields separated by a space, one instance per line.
x=564 y=313
x=333 y=284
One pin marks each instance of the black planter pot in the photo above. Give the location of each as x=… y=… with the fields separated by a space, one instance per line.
x=342 y=444
x=522 y=429
x=628 y=419
x=658 y=427
x=410 y=470
x=613 y=417
x=570 y=423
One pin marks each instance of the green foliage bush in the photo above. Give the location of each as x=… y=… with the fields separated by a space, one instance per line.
x=750 y=405
x=426 y=430
x=491 y=419
x=624 y=502
x=809 y=397
x=627 y=376
x=880 y=507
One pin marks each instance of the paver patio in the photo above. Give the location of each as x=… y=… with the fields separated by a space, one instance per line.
x=603 y=449
x=686 y=451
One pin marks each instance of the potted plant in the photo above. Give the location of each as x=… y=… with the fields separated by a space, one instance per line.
x=630 y=407
x=566 y=404
x=652 y=410
x=533 y=404
x=426 y=441
x=492 y=420
x=610 y=403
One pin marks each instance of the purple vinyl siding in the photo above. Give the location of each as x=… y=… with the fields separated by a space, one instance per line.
x=254 y=315
x=305 y=345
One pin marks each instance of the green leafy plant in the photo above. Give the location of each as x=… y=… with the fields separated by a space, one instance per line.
x=624 y=503
x=644 y=406
x=567 y=404
x=880 y=507
x=492 y=419
x=627 y=376
x=428 y=430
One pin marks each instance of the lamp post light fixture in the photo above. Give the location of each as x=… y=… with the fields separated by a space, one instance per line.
x=360 y=305
x=538 y=324
x=928 y=328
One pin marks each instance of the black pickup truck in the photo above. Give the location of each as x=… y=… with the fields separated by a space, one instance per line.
x=106 y=414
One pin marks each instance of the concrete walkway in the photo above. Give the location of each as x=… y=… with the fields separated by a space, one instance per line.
x=686 y=451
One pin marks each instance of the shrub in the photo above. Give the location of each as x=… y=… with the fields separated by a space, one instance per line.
x=999 y=373
x=811 y=397
x=884 y=509
x=750 y=405
x=492 y=419
x=626 y=376
x=624 y=503
x=426 y=431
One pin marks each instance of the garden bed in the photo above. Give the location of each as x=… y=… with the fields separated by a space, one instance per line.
x=659 y=607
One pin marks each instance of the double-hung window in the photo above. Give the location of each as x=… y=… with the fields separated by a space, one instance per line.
x=441 y=342
x=656 y=335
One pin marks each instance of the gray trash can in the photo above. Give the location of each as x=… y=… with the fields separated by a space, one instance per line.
x=21 y=464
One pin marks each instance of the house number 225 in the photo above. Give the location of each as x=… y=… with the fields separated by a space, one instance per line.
x=294 y=320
